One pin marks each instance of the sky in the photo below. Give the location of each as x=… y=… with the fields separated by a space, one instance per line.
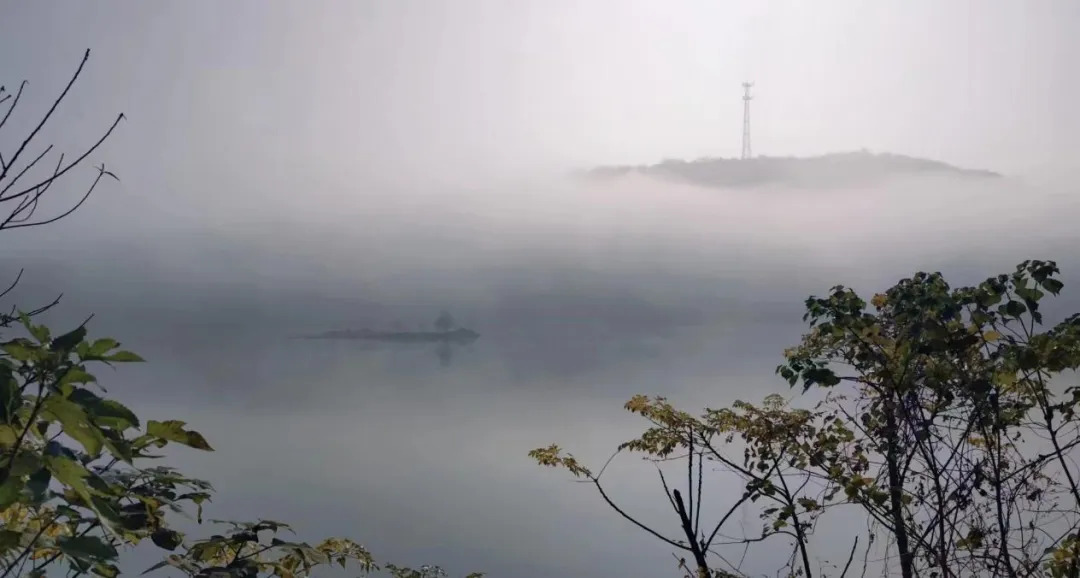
x=289 y=166
x=409 y=92
x=250 y=117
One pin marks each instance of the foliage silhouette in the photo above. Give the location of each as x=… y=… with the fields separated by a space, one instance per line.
x=942 y=418
x=445 y=322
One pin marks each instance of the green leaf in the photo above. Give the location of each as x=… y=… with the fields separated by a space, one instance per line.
x=104 y=345
x=39 y=332
x=1053 y=286
x=207 y=550
x=9 y=491
x=8 y=437
x=106 y=570
x=88 y=548
x=1012 y=309
x=76 y=374
x=106 y=412
x=105 y=509
x=76 y=423
x=118 y=446
x=68 y=341
x=100 y=347
x=173 y=430
x=116 y=415
x=19 y=349
x=123 y=357
x=38 y=485
x=167 y=539
x=134 y=517
x=70 y=473
x=198 y=498
x=10 y=397
x=9 y=539
x=25 y=463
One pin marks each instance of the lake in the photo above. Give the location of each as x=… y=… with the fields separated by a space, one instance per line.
x=422 y=456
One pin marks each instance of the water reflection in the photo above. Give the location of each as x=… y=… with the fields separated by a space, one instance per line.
x=426 y=442
x=445 y=350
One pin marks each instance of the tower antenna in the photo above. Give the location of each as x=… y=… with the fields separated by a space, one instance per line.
x=746 y=120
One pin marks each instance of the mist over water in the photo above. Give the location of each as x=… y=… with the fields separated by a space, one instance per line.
x=584 y=294
x=631 y=251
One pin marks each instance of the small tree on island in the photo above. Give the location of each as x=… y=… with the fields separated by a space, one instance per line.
x=445 y=322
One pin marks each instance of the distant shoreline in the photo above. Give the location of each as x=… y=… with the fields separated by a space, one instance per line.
x=830 y=169
x=452 y=336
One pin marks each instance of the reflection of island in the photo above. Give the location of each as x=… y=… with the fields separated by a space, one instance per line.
x=837 y=169
x=446 y=334
x=460 y=335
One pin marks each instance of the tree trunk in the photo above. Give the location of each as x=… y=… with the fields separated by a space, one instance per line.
x=896 y=504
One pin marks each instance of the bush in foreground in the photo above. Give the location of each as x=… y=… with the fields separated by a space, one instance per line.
x=944 y=416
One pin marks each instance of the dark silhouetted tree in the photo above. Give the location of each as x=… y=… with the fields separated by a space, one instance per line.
x=947 y=416
x=445 y=322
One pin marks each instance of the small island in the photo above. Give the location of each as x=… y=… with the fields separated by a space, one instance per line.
x=445 y=331
x=836 y=169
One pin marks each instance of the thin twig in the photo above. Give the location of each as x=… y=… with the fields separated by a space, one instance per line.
x=52 y=109
x=851 y=557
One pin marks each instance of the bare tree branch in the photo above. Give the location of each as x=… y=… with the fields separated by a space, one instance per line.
x=45 y=119
x=28 y=199
x=851 y=557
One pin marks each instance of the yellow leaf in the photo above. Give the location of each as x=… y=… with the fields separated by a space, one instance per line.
x=8 y=436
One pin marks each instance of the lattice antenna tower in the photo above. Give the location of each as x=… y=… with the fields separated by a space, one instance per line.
x=746 y=153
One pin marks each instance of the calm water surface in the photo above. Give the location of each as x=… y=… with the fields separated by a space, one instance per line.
x=420 y=452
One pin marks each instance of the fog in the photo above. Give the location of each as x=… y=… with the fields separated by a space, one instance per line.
x=584 y=294
x=291 y=168
x=640 y=244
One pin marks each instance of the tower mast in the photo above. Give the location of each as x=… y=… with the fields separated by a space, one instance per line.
x=746 y=120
